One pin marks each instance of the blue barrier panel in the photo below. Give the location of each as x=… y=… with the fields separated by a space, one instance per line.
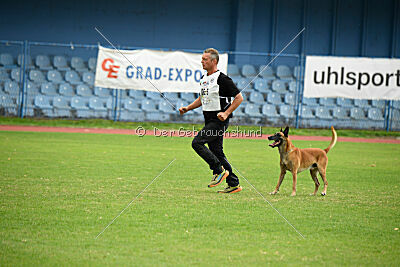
x=55 y=80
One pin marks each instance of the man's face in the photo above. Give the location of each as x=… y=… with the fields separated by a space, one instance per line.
x=207 y=61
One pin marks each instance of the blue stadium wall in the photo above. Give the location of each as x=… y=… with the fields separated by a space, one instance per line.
x=334 y=27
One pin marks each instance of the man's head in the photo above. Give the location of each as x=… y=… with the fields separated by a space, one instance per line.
x=210 y=59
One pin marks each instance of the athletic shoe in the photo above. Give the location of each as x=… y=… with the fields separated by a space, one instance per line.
x=218 y=178
x=231 y=189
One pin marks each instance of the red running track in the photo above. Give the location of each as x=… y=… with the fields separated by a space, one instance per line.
x=177 y=133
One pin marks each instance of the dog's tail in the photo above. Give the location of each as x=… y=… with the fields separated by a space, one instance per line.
x=333 y=141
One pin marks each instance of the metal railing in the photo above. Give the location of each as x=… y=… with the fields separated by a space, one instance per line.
x=23 y=104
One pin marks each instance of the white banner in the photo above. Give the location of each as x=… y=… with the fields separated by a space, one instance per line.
x=168 y=71
x=358 y=78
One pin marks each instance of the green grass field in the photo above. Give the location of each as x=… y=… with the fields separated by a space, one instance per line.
x=59 y=190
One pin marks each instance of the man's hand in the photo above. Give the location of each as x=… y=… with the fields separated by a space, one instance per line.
x=222 y=116
x=183 y=110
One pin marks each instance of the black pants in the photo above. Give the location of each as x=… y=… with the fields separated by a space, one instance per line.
x=213 y=135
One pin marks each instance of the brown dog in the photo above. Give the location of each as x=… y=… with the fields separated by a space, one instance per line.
x=297 y=160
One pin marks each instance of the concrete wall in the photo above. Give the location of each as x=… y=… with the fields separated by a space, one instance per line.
x=333 y=27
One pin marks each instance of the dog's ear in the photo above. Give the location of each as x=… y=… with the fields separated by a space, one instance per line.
x=286 y=131
x=281 y=129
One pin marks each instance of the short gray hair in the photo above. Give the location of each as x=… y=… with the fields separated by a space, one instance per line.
x=214 y=53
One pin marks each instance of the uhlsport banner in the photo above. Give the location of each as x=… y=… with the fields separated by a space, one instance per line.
x=357 y=78
x=173 y=71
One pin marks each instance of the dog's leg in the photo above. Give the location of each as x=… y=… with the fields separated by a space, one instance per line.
x=313 y=173
x=322 y=172
x=294 y=172
x=281 y=176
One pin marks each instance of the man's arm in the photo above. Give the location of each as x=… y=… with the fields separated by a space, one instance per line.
x=195 y=104
x=222 y=116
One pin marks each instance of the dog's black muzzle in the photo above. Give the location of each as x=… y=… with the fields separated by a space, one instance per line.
x=277 y=140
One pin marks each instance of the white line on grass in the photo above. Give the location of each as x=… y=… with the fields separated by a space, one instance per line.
x=135 y=198
x=172 y=105
x=269 y=202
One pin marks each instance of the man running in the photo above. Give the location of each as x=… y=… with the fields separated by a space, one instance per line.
x=217 y=91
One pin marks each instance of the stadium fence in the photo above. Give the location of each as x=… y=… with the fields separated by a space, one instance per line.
x=55 y=80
